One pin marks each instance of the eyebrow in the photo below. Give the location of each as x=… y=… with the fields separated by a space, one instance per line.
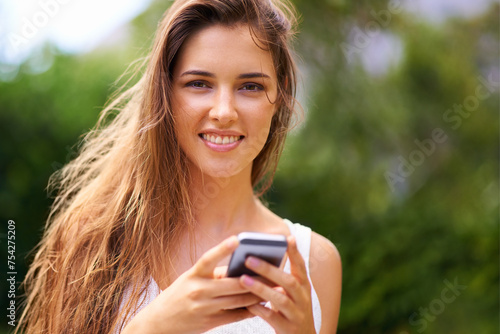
x=253 y=75
x=241 y=76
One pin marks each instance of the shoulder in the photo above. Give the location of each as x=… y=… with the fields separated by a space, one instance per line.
x=323 y=252
x=325 y=269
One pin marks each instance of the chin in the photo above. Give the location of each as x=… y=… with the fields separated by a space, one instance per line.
x=223 y=170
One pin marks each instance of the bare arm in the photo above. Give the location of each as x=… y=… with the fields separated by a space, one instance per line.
x=326 y=275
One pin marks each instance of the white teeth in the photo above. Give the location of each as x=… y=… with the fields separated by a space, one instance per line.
x=220 y=140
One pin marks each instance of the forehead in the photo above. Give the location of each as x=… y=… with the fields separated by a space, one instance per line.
x=221 y=49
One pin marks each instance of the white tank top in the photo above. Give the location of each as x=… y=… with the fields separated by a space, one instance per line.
x=254 y=325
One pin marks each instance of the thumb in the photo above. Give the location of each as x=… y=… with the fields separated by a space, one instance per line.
x=205 y=266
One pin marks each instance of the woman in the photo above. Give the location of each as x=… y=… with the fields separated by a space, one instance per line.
x=146 y=216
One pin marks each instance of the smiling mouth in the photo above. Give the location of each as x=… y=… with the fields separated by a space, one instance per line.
x=220 y=140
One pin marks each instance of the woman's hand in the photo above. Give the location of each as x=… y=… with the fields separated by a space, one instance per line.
x=291 y=302
x=197 y=301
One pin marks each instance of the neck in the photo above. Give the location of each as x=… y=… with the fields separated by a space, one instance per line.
x=224 y=205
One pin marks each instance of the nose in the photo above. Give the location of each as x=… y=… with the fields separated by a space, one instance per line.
x=223 y=109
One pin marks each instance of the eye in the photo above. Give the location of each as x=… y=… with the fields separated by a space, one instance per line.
x=197 y=84
x=252 y=87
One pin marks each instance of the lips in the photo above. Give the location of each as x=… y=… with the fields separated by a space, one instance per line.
x=220 y=140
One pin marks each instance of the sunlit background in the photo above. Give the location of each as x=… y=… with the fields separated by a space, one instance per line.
x=396 y=160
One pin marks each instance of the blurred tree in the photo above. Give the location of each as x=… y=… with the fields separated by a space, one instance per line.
x=401 y=242
x=42 y=118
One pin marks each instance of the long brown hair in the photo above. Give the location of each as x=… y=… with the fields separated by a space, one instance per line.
x=125 y=198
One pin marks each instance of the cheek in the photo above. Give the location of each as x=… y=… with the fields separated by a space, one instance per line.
x=182 y=124
x=267 y=115
x=184 y=113
x=262 y=123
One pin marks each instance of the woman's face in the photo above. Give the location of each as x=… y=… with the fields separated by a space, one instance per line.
x=224 y=86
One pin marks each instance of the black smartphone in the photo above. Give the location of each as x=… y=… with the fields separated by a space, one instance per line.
x=268 y=247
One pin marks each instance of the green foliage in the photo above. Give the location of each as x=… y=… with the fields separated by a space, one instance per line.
x=440 y=223
x=403 y=238
x=42 y=117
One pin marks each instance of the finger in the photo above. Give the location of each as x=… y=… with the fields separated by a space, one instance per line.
x=297 y=263
x=229 y=316
x=273 y=318
x=236 y=301
x=288 y=282
x=205 y=266
x=265 y=281
x=280 y=301
x=280 y=290
x=269 y=274
x=225 y=287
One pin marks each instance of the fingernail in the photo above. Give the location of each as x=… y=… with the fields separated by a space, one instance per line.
x=253 y=262
x=247 y=280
